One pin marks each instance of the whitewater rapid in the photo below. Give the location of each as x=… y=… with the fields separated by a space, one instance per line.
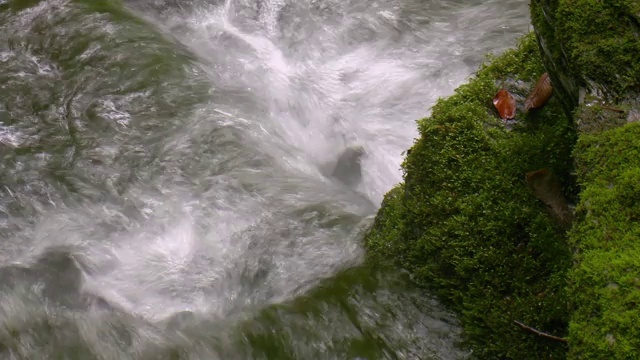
x=166 y=188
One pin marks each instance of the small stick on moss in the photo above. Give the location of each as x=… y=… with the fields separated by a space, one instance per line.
x=607 y=107
x=540 y=333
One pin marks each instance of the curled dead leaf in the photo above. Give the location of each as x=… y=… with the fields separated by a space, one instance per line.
x=540 y=94
x=546 y=186
x=505 y=104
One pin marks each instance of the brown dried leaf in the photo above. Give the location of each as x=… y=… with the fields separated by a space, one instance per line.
x=540 y=94
x=545 y=186
x=505 y=104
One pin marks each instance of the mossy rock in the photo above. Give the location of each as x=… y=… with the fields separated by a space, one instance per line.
x=554 y=55
x=590 y=45
x=592 y=51
x=605 y=282
x=466 y=225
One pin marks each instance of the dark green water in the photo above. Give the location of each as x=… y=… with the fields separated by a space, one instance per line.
x=165 y=173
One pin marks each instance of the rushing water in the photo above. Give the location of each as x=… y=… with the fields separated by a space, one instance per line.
x=167 y=183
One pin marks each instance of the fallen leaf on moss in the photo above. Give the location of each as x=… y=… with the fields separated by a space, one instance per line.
x=540 y=94
x=505 y=104
x=545 y=186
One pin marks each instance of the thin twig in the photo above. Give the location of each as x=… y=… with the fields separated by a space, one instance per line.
x=540 y=333
x=607 y=107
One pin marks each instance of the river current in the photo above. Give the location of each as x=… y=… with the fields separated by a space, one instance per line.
x=192 y=179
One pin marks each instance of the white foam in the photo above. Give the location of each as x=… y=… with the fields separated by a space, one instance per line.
x=367 y=93
x=9 y=136
x=228 y=210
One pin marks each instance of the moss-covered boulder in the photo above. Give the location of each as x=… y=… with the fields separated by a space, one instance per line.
x=592 y=50
x=605 y=280
x=590 y=47
x=466 y=224
x=474 y=219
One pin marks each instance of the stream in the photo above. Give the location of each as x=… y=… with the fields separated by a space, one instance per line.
x=192 y=179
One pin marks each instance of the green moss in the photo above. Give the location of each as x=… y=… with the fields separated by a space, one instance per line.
x=605 y=282
x=543 y=17
x=465 y=224
x=385 y=237
x=603 y=42
x=599 y=39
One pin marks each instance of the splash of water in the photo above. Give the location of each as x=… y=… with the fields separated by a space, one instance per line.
x=188 y=174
